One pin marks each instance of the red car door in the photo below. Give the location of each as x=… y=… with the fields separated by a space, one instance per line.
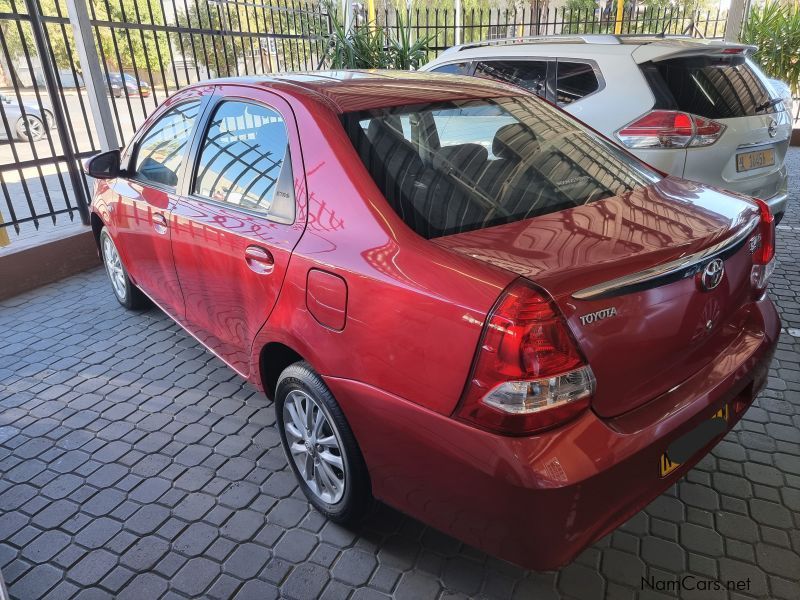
x=238 y=219
x=144 y=200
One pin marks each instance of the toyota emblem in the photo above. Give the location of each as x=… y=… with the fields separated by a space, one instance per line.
x=711 y=275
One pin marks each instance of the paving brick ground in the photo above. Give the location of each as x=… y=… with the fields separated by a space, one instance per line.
x=135 y=465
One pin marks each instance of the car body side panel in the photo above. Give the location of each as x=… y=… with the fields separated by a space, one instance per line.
x=129 y=210
x=227 y=302
x=414 y=311
x=148 y=248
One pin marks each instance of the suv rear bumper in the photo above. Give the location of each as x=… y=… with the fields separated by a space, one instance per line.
x=538 y=501
x=777 y=204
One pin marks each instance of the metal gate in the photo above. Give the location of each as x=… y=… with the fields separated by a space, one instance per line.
x=58 y=57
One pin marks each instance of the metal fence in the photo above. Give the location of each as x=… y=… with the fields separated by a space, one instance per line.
x=445 y=28
x=148 y=50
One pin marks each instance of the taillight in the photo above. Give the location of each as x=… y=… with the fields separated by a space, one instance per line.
x=763 y=244
x=670 y=129
x=528 y=373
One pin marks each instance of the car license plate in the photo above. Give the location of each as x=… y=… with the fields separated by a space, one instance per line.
x=757 y=159
x=692 y=442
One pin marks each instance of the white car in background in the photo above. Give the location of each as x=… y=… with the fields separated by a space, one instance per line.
x=697 y=109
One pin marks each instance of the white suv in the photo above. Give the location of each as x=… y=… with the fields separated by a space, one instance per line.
x=697 y=109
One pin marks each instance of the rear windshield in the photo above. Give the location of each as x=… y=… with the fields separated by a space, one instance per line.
x=462 y=165
x=715 y=88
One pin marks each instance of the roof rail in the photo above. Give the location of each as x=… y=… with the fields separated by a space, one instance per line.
x=589 y=38
x=542 y=39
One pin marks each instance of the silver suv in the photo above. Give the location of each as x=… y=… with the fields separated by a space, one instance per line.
x=697 y=109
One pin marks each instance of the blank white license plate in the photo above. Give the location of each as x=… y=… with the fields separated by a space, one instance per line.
x=747 y=161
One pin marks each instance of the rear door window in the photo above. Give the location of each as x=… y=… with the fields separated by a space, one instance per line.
x=528 y=74
x=461 y=68
x=574 y=80
x=715 y=88
x=461 y=165
x=245 y=158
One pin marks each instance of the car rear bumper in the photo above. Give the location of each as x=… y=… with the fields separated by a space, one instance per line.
x=538 y=501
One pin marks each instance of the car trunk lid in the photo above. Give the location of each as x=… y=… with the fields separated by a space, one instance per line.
x=618 y=270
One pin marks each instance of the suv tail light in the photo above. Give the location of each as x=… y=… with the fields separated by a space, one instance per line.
x=528 y=374
x=764 y=253
x=670 y=129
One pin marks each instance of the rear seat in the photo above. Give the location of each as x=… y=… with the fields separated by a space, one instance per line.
x=421 y=195
x=448 y=192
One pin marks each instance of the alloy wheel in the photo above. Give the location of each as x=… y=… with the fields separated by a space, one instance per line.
x=315 y=446
x=114 y=268
x=33 y=128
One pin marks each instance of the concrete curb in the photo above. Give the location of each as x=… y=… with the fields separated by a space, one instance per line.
x=33 y=267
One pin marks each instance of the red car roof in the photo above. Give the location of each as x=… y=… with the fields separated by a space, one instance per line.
x=356 y=90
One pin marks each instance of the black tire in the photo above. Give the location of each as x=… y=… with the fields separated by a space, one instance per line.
x=126 y=293
x=357 y=496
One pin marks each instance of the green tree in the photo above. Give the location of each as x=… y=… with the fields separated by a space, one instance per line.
x=18 y=37
x=579 y=16
x=133 y=48
x=775 y=29
x=216 y=52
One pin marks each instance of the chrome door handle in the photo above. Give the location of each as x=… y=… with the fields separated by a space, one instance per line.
x=259 y=260
x=159 y=223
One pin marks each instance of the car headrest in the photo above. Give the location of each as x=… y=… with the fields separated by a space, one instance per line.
x=512 y=140
x=461 y=157
x=388 y=125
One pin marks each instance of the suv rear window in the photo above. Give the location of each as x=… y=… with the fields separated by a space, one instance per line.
x=714 y=88
x=461 y=165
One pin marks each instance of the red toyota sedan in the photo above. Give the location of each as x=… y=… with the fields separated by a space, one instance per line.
x=463 y=302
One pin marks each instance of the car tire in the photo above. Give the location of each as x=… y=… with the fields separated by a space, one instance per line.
x=126 y=293
x=48 y=119
x=30 y=128
x=299 y=390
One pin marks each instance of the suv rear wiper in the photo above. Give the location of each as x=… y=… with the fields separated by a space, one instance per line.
x=768 y=104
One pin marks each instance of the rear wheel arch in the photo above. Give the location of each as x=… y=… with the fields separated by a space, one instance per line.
x=273 y=359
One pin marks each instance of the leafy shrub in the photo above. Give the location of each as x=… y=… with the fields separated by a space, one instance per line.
x=372 y=46
x=775 y=29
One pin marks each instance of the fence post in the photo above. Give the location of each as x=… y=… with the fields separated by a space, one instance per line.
x=347 y=7
x=735 y=21
x=59 y=112
x=92 y=74
x=457 y=24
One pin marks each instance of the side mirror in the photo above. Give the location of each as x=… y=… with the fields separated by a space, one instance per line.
x=103 y=166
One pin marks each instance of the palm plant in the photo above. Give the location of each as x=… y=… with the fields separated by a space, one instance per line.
x=373 y=46
x=407 y=53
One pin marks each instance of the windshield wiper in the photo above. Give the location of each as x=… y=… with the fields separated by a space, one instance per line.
x=768 y=104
